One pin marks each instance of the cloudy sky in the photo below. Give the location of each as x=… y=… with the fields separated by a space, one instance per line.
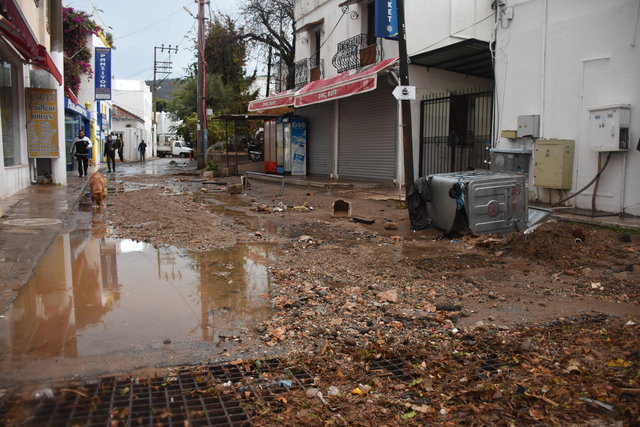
x=139 y=25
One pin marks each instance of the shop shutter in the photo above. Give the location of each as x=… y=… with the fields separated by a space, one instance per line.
x=320 y=123
x=368 y=135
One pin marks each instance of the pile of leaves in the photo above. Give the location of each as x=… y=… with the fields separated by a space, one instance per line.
x=531 y=376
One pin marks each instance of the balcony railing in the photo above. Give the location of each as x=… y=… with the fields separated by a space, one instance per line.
x=356 y=52
x=308 y=70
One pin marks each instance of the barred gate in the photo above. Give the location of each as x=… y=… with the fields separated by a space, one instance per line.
x=455 y=131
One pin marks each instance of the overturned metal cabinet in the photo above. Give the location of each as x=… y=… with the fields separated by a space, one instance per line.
x=482 y=201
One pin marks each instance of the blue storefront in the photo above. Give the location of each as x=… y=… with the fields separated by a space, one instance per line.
x=75 y=118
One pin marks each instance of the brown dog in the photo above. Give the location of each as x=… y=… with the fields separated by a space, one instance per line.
x=98 y=187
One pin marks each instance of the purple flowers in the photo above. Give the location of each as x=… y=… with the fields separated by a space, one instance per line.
x=77 y=27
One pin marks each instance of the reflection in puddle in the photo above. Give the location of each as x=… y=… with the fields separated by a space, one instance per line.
x=92 y=295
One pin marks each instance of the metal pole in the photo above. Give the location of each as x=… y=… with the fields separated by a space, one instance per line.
x=202 y=112
x=154 y=122
x=269 y=71
x=164 y=67
x=407 y=130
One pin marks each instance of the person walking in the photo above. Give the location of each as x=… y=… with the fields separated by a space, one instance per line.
x=142 y=149
x=110 y=151
x=120 y=146
x=80 y=150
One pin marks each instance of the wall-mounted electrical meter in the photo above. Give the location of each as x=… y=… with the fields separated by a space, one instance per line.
x=609 y=127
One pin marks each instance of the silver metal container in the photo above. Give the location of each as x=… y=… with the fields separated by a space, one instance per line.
x=488 y=202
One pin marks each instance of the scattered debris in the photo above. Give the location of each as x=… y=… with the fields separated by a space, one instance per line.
x=341 y=209
x=367 y=221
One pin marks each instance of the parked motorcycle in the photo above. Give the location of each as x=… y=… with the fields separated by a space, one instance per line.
x=255 y=147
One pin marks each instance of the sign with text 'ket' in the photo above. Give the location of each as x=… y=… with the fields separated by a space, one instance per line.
x=386 y=19
x=102 y=74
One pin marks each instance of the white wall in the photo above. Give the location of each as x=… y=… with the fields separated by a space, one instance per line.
x=131 y=136
x=166 y=125
x=556 y=58
x=438 y=23
x=336 y=28
x=135 y=97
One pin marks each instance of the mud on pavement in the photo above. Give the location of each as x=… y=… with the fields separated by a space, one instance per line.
x=394 y=327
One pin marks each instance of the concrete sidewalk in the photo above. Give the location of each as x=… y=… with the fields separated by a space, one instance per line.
x=32 y=219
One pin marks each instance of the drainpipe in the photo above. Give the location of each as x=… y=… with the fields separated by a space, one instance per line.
x=543 y=66
x=59 y=165
x=336 y=137
x=399 y=139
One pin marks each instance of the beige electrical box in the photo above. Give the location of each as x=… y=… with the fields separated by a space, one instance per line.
x=553 y=163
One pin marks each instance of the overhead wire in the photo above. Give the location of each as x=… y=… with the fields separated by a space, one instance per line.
x=456 y=33
x=150 y=25
x=344 y=12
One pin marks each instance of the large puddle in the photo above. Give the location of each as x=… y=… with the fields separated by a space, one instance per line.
x=93 y=295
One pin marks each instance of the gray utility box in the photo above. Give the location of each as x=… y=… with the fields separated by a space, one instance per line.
x=494 y=202
x=510 y=160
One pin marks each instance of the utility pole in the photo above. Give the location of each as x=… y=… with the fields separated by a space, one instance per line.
x=164 y=68
x=407 y=132
x=269 y=71
x=201 y=146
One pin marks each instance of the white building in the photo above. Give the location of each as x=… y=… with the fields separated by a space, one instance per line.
x=563 y=70
x=31 y=94
x=345 y=76
x=166 y=126
x=131 y=129
x=557 y=60
x=134 y=96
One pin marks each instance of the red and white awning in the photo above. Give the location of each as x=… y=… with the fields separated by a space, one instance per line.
x=340 y=86
x=16 y=31
x=282 y=99
x=343 y=85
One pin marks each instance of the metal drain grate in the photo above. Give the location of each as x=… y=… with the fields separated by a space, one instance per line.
x=209 y=395
x=397 y=367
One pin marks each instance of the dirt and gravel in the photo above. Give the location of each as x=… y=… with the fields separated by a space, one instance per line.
x=539 y=328
x=521 y=327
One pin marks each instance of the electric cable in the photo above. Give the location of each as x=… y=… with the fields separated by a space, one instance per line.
x=571 y=196
x=148 y=26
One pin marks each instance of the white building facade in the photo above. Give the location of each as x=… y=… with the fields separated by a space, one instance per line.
x=561 y=61
x=31 y=95
x=134 y=96
x=345 y=76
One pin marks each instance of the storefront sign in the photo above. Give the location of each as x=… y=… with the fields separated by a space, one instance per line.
x=346 y=89
x=405 y=93
x=279 y=100
x=103 y=74
x=42 y=123
x=298 y=146
x=386 y=19
x=69 y=105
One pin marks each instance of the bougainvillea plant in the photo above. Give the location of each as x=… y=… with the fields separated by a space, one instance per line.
x=77 y=27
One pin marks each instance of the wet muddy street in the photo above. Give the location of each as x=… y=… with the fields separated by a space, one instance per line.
x=113 y=304
x=176 y=271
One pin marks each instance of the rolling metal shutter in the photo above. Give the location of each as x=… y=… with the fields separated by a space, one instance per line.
x=320 y=122
x=368 y=135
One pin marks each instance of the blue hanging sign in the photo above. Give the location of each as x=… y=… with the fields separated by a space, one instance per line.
x=102 y=75
x=386 y=19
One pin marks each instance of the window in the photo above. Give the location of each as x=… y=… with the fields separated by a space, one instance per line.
x=315 y=55
x=371 y=23
x=8 y=116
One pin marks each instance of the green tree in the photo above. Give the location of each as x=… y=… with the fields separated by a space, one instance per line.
x=227 y=87
x=271 y=24
x=161 y=104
